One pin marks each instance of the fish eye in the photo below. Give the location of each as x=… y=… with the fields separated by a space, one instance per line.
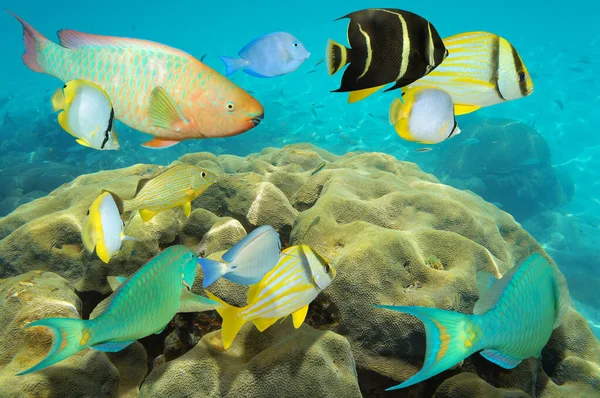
x=88 y=212
x=202 y=174
x=521 y=77
x=327 y=268
x=295 y=44
x=230 y=106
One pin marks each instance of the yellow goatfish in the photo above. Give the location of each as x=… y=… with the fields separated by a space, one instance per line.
x=299 y=276
x=177 y=186
x=102 y=227
x=481 y=69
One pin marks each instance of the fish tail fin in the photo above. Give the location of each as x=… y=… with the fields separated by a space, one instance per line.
x=450 y=337
x=396 y=111
x=213 y=270
x=34 y=43
x=232 y=64
x=58 y=100
x=337 y=56
x=69 y=336
x=232 y=320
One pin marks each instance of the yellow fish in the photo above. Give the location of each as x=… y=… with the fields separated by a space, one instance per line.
x=299 y=276
x=482 y=69
x=177 y=186
x=102 y=227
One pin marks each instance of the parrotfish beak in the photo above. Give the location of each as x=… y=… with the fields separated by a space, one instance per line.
x=256 y=120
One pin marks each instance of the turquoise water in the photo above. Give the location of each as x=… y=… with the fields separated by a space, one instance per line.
x=564 y=63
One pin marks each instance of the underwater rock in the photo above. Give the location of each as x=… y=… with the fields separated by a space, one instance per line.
x=513 y=163
x=281 y=362
x=469 y=385
x=394 y=233
x=35 y=295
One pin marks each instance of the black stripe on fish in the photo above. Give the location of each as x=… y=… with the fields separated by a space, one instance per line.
x=453 y=128
x=109 y=128
x=376 y=38
x=520 y=68
x=495 y=65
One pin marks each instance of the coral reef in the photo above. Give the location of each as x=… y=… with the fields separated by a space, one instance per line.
x=395 y=234
x=484 y=162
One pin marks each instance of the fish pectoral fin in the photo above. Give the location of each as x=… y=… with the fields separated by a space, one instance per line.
x=460 y=109
x=187 y=209
x=500 y=359
x=165 y=112
x=83 y=142
x=299 y=316
x=147 y=215
x=115 y=281
x=158 y=143
x=190 y=302
x=359 y=95
x=112 y=347
x=263 y=324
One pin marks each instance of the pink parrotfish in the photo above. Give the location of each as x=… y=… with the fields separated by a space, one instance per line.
x=512 y=320
x=140 y=305
x=156 y=89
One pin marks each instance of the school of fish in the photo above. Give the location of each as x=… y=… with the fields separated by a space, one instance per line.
x=167 y=93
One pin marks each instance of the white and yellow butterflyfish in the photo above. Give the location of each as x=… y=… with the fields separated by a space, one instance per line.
x=102 y=227
x=299 y=276
x=87 y=114
x=426 y=116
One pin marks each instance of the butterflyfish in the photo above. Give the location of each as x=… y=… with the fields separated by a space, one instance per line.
x=388 y=45
x=299 y=276
x=102 y=228
x=482 y=69
x=512 y=320
x=247 y=261
x=426 y=116
x=177 y=186
x=139 y=306
x=87 y=114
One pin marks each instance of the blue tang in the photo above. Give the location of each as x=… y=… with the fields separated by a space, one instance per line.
x=512 y=320
x=140 y=305
x=270 y=55
x=247 y=261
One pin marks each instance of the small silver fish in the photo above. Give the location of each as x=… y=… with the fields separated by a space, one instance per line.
x=423 y=150
x=318 y=168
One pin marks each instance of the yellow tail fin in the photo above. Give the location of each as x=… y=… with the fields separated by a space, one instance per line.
x=337 y=56
x=232 y=320
x=58 y=100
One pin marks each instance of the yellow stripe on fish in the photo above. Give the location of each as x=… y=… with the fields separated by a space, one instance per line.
x=299 y=276
x=177 y=186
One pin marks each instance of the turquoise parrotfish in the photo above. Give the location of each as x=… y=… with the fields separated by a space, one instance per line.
x=512 y=320
x=140 y=305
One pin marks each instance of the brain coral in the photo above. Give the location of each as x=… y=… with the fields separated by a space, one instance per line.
x=395 y=234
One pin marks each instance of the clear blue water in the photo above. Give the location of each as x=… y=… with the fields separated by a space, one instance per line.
x=563 y=61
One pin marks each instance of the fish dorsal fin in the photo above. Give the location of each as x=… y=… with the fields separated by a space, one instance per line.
x=73 y=39
x=103 y=305
x=490 y=296
x=115 y=281
x=141 y=184
x=117 y=199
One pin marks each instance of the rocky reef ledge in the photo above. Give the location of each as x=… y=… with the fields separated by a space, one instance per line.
x=394 y=233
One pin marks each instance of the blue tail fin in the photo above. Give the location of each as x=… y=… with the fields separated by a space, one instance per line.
x=213 y=270
x=232 y=65
x=69 y=336
x=451 y=337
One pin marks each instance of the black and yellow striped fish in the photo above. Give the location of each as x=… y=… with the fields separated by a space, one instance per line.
x=387 y=45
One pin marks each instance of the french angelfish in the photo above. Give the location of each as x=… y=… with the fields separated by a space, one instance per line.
x=102 y=228
x=177 y=186
x=247 y=261
x=87 y=114
x=388 y=45
x=297 y=279
x=482 y=69
x=426 y=116
x=512 y=320
x=155 y=89
x=141 y=305
x=270 y=55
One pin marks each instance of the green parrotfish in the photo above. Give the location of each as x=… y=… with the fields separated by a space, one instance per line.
x=140 y=305
x=154 y=88
x=512 y=320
